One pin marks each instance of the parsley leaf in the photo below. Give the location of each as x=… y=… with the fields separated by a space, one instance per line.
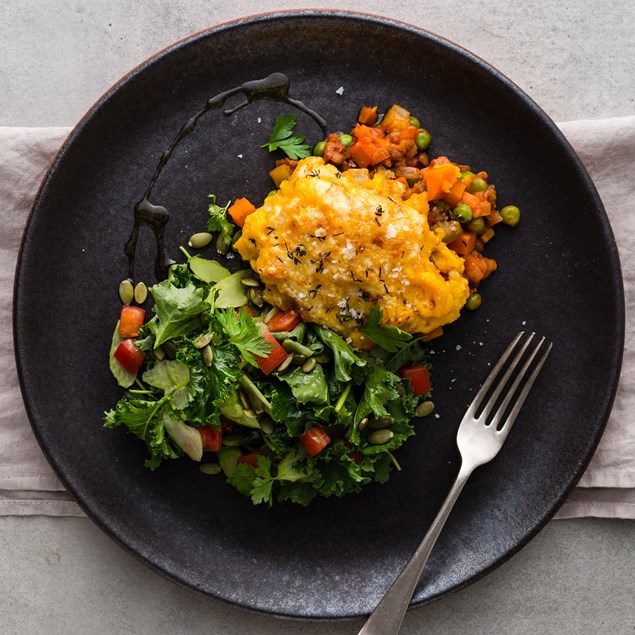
x=282 y=138
x=218 y=221
x=244 y=334
x=390 y=338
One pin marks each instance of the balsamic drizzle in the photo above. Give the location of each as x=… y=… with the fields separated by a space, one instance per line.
x=275 y=87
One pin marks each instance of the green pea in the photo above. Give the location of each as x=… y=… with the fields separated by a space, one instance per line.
x=423 y=140
x=346 y=140
x=473 y=302
x=465 y=174
x=462 y=213
x=477 y=225
x=414 y=122
x=318 y=149
x=511 y=215
x=271 y=193
x=477 y=185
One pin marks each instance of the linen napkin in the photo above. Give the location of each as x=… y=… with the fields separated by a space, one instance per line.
x=29 y=487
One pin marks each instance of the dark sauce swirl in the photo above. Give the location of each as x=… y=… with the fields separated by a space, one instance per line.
x=275 y=87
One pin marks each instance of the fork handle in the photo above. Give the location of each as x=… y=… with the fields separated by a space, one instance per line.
x=388 y=615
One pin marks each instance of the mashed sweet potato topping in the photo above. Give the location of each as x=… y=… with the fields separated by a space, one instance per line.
x=333 y=244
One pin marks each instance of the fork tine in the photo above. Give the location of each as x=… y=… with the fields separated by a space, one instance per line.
x=509 y=422
x=510 y=391
x=480 y=395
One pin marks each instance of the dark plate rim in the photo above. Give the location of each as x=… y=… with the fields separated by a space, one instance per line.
x=354 y=16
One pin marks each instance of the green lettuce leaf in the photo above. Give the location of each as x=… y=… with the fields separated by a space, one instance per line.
x=344 y=356
x=143 y=419
x=177 y=310
x=308 y=387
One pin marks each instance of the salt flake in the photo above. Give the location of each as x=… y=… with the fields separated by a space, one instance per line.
x=391 y=232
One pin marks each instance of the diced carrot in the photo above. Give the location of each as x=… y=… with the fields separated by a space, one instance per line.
x=484 y=208
x=368 y=148
x=367 y=115
x=440 y=178
x=464 y=244
x=475 y=267
x=453 y=197
x=478 y=267
x=362 y=152
x=240 y=209
x=410 y=133
x=471 y=199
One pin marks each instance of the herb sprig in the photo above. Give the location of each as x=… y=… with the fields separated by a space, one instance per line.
x=390 y=338
x=283 y=138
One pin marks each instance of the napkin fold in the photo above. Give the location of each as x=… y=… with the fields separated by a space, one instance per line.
x=28 y=486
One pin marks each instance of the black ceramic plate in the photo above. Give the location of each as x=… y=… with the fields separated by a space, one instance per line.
x=558 y=274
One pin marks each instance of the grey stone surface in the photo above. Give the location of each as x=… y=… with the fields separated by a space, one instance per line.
x=62 y=575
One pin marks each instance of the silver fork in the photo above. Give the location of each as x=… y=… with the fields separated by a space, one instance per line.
x=479 y=439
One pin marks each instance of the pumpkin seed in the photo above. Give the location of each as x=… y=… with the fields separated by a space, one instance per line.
x=382 y=422
x=140 y=293
x=209 y=468
x=236 y=237
x=298 y=359
x=401 y=390
x=256 y=406
x=363 y=423
x=379 y=437
x=249 y=281
x=203 y=340
x=284 y=364
x=266 y=425
x=208 y=355
x=291 y=346
x=309 y=365
x=169 y=349
x=126 y=291
x=231 y=440
x=248 y=412
x=323 y=358
x=200 y=240
x=424 y=409
x=255 y=295
x=244 y=400
x=223 y=244
x=257 y=400
x=159 y=353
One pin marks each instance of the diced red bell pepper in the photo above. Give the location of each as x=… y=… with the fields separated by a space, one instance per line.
x=131 y=321
x=284 y=321
x=314 y=440
x=212 y=438
x=250 y=458
x=226 y=425
x=129 y=355
x=271 y=361
x=419 y=379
